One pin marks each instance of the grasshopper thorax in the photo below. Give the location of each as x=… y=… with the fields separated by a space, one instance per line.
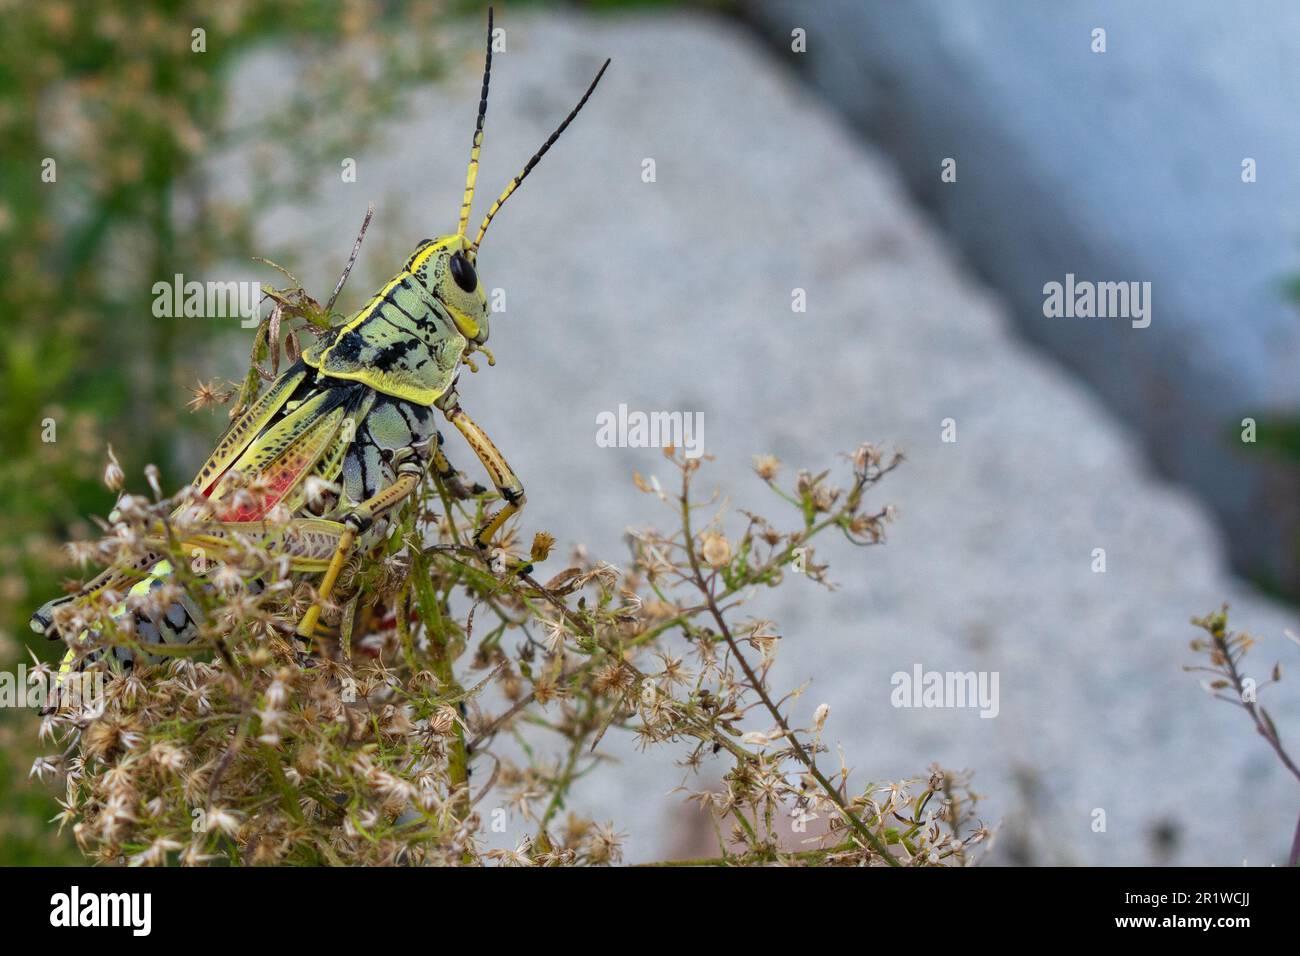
x=410 y=339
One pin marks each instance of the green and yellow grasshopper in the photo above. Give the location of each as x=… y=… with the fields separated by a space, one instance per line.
x=358 y=410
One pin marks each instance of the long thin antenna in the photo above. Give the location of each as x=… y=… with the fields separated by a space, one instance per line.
x=352 y=259
x=471 y=175
x=528 y=168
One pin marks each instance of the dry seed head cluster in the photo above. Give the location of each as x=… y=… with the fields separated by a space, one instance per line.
x=403 y=747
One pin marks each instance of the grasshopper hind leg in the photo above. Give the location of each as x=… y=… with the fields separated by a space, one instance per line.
x=45 y=620
x=175 y=624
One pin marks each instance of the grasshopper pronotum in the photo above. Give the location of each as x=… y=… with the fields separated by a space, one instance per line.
x=357 y=408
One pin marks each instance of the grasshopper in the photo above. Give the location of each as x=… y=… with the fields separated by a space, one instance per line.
x=357 y=409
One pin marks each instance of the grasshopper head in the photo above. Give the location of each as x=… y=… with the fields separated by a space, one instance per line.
x=450 y=260
x=445 y=266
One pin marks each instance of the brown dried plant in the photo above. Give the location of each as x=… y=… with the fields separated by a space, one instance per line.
x=1225 y=651
x=385 y=747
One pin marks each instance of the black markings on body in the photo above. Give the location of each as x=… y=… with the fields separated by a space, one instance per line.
x=392 y=354
x=348 y=346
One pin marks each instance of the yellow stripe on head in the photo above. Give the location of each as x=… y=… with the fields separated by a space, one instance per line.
x=429 y=248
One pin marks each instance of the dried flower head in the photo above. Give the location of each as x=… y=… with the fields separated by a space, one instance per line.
x=715 y=549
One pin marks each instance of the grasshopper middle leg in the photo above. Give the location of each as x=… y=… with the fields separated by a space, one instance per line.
x=450 y=477
x=356 y=522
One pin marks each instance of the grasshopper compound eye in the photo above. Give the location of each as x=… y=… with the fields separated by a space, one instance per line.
x=463 y=272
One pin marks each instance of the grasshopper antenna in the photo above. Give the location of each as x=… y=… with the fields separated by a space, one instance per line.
x=471 y=175
x=528 y=167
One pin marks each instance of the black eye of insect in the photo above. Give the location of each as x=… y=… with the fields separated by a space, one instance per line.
x=463 y=272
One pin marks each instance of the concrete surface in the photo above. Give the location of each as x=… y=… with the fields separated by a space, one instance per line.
x=1123 y=165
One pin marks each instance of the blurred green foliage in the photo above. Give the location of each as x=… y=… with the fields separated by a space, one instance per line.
x=1277 y=435
x=109 y=113
x=1276 y=438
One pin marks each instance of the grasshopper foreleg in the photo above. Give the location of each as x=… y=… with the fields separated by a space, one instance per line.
x=505 y=480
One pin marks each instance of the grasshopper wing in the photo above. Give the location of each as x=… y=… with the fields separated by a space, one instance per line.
x=248 y=426
x=285 y=452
